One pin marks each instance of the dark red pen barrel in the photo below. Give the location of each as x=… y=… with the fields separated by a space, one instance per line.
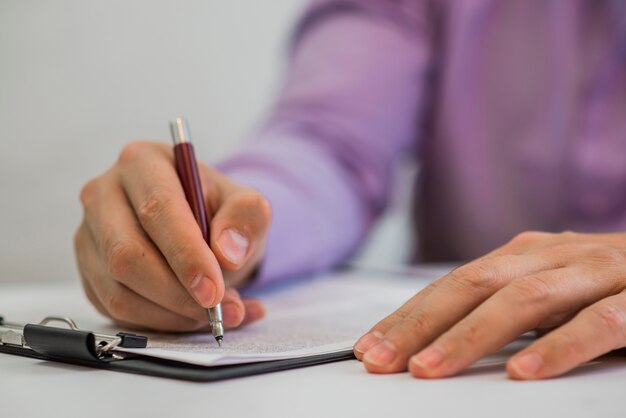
x=187 y=170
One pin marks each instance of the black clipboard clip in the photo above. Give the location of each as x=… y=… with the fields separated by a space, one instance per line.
x=66 y=343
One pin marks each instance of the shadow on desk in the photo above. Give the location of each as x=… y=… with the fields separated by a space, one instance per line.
x=45 y=367
x=614 y=360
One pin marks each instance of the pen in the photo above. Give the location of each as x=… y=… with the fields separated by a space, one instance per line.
x=187 y=170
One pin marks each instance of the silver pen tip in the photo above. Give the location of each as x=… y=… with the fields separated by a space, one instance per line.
x=215 y=320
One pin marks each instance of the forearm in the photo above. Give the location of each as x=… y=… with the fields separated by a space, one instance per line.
x=324 y=159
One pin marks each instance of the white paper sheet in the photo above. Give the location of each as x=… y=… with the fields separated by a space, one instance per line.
x=317 y=316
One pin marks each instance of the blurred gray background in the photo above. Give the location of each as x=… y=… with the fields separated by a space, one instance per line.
x=79 y=79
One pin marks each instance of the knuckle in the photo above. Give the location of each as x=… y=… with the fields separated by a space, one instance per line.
x=418 y=323
x=78 y=239
x=383 y=325
x=528 y=237
x=611 y=318
x=116 y=305
x=151 y=208
x=257 y=204
x=94 y=301
x=562 y=253
x=88 y=193
x=392 y=319
x=90 y=296
x=566 y=344
x=474 y=279
x=180 y=254
x=567 y=235
x=131 y=151
x=188 y=304
x=184 y=260
x=535 y=291
x=93 y=298
x=263 y=207
x=80 y=251
x=398 y=315
x=605 y=255
x=187 y=268
x=119 y=256
x=471 y=334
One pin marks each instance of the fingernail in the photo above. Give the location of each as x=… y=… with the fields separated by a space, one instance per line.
x=234 y=245
x=367 y=341
x=203 y=290
x=528 y=364
x=429 y=358
x=381 y=354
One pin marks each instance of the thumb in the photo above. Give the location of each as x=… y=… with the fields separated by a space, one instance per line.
x=239 y=228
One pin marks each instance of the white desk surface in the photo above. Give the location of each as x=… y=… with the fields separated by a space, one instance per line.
x=34 y=388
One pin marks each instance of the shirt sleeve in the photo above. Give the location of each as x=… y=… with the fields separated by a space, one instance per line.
x=348 y=109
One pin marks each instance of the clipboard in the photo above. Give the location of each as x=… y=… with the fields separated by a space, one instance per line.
x=72 y=345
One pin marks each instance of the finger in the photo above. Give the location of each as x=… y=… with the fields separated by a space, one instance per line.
x=84 y=268
x=237 y=312
x=233 y=309
x=130 y=309
x=446 y=301
x=255 y=310
x=377 y=332
x=478 y=274
x=130 y=257
x=596 y=330
x=239 y=226
x=517 y=308
x=530 y=241
x=155 y=193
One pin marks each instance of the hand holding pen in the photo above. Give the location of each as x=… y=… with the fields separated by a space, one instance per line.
x=142 y=257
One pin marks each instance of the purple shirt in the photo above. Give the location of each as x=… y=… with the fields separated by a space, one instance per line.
x=514 y=109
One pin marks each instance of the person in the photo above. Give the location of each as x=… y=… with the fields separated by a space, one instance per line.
x=514 y=111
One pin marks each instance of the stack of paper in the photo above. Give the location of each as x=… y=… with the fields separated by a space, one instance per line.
x=311 y=317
